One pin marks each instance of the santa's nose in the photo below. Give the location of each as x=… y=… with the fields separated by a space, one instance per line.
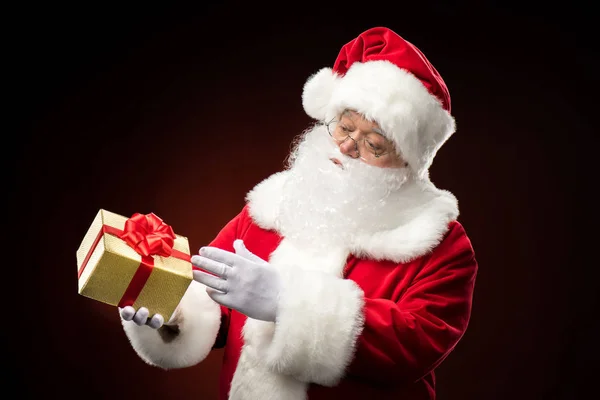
x=348 y=147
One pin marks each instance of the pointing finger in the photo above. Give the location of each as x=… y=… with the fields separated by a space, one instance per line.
x=217 y=268
x=211 y=281
x=223 y=256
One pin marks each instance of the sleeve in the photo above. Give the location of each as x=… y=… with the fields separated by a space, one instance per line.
x=405 y=340
x=319 y=318
x=326 y=328
x=198 y=325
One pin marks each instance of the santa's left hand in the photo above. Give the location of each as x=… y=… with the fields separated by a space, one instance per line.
x=242 y=281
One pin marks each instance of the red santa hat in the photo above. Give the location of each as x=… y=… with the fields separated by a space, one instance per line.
x=388 y=80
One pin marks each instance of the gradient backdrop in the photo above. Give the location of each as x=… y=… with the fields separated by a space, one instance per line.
x=181 y=111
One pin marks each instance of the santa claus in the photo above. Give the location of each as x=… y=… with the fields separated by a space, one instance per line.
x=347 y=274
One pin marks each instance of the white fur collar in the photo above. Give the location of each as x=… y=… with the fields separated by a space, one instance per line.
x=425 y=219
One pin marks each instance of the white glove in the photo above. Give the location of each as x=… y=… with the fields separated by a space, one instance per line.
x=243 y=281
x=140 y=317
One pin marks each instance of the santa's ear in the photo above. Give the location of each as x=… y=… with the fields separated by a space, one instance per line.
x=318 y=91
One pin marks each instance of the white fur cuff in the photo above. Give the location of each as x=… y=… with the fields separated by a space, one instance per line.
x=199 y=322
x=319 y=320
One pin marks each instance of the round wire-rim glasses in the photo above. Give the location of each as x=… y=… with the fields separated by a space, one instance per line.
x=368 y=147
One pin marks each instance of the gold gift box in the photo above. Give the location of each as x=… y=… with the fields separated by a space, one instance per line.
x=111 y=263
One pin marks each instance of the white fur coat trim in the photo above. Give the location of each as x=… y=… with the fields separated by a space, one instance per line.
x=319 y=320
x=199 y=319
x=425 y=218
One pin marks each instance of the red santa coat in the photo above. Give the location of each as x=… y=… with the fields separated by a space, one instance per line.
x=370 y=322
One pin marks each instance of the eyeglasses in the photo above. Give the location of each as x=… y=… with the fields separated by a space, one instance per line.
x=369 y=147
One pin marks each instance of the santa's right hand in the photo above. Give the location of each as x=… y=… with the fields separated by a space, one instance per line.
x=140 y=317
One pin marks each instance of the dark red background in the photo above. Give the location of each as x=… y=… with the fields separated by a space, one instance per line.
x=180 y=112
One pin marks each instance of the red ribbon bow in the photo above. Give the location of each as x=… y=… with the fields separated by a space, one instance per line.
x=149 y=235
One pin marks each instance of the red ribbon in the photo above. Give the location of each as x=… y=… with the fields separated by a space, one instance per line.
x=148 y=235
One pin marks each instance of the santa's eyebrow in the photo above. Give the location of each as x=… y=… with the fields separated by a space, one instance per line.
x=348 y=113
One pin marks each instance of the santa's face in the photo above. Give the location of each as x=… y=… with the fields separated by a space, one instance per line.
x=360 y=138
x=330 y=196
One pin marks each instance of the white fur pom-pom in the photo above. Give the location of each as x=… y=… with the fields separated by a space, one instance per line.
x=317 y=93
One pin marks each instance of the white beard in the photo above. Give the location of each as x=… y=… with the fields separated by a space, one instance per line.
x=324 y=205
